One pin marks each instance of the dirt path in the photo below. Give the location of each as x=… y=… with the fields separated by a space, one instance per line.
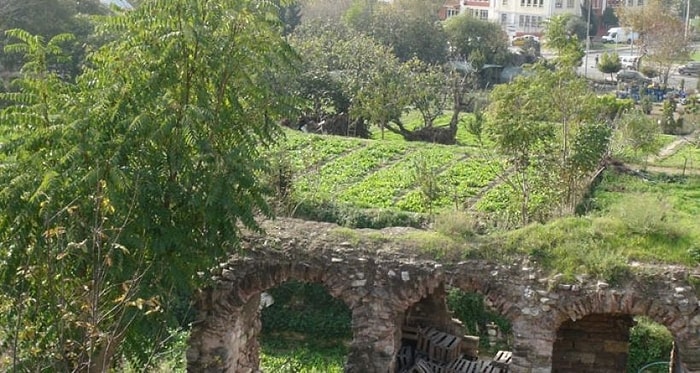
x=671 y=148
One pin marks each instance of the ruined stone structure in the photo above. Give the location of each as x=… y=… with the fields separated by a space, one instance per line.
x=557 y=327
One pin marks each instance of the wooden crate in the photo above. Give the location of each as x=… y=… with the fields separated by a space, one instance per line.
x=409 y=333
x=500 y=363
x=462 y=365
x=444 y=347
x=424 y=366
x=405 y=357
x=502 y=359
x=470 y=347
x=424 y=339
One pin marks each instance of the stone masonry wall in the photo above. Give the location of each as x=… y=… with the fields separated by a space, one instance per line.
x=596 y=343
x=380 y=279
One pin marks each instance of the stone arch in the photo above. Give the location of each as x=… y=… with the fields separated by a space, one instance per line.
x=608 y=314
x=224 y=336
x=378 y=320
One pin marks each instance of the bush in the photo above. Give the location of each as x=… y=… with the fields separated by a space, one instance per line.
x=649 y=342
x=459 y=224
x=353 y=217
x=307 y=309
x=471 y=310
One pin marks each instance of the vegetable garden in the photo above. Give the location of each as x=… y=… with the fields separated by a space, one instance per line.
x=387 y=174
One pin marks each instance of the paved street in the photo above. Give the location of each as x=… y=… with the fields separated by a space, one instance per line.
x=589 y=69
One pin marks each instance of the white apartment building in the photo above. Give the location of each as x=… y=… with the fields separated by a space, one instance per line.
x=528 y=16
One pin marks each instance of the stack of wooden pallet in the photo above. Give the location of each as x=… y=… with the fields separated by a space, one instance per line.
x=429 y=350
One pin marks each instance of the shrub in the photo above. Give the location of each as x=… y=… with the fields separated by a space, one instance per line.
x=458 y=224
x=353 y=217
x=307 y=309
x=471 y=309
x=649 y=342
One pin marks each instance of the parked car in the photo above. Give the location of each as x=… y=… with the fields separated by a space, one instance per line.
x=520 y=41
x=629 y=62
x=633 y=77
x=691 y=68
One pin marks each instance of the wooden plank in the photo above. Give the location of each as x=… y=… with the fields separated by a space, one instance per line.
x=464 y=366
x=405 y=357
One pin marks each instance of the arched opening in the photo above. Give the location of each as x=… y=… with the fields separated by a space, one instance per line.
x=453 y=330
x=303 y=329
x=611 y=343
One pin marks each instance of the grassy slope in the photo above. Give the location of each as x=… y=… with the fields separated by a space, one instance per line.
x=632 y=218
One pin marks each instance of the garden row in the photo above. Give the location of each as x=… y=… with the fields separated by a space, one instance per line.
x=414 y=177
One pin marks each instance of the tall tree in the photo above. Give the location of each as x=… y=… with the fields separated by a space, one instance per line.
x=549 y=127
x=410 y=28
x=662 y=32
x=467 y=35
x=116 y=191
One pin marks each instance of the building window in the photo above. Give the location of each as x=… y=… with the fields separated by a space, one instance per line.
x=504 y=19
x=452 y=12
x=541 y=3
x=522 y=2
x=558 y=3
x=521 y=20
x=484 y=14
x=640 y=2
x=569 y=3
x=505 y=2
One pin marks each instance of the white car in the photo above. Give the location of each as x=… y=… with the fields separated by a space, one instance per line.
x=629 y=62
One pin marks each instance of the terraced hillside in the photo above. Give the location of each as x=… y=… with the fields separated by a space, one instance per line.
x=391 y=174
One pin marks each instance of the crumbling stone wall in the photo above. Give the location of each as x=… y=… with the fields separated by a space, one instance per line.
x=379 y=281
x=596 y=343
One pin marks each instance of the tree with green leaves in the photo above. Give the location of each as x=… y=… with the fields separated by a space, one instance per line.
x=549 y=126
x=662 y=32
x=609 y=63
x=467 y=34
x=117 y=190
x=410 y=28
x=562 y=38
x=609 y=18
x=638 y=132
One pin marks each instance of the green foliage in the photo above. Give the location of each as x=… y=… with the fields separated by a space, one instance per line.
x=346 y=71
x=561 y=37
x=410 y=28
x=425 y=175
x=669 y=123
x=457 y=224
x=638 y=132
x=118 y=189
x=609 y=63
x=293 y=356
x=347 y=215
x=649 y=342
x=471 y=309
x=307 y=309
x=468 y=35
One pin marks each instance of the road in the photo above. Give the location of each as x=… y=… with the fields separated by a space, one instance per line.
x=589 y=69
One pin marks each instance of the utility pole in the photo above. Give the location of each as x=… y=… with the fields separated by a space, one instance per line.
x=687 y=20
x=588 y=37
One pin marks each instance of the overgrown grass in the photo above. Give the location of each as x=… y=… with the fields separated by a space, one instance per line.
x=651 y=220
x=687 y=157
x=284 y=354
